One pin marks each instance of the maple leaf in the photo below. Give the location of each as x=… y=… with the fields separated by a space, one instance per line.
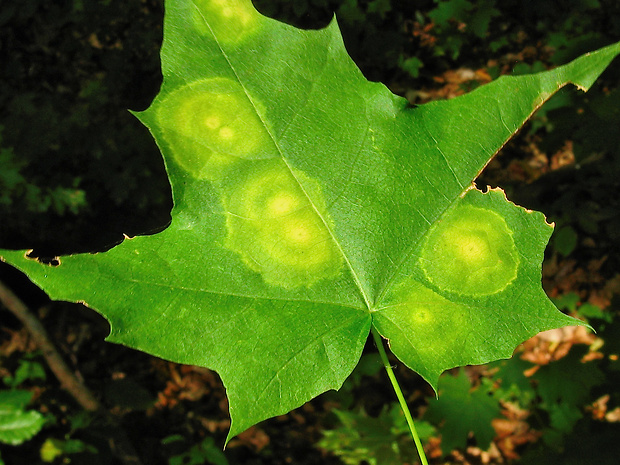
x=310 y=205
x=462 y=410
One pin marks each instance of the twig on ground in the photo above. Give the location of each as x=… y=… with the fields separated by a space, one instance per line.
x=121 y=447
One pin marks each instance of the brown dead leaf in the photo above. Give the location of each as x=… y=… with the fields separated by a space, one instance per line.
x=491 y=456
x=537 y=162
x=514 y=412
x=613 y=416
x=94 y=42
x=185 y=382
x=451 y=85
x=433 y=448
x=563 y=157
x=495 y=454
x=482 y=75
x=564 y=276
x=613 y=285
x=513 y=431
x=599 y=410
x=600 y=298
x=423 y=33
x=458 y=457
x=254 y=438
x=511 y=434
x=592 y=355
x=572 y=278
x=215 y=426
x=554 y=344
x=17 y=341
x=599 y=407
x=594 y=266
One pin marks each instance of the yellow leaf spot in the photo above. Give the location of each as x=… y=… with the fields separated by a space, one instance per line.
x=436 y=325
x=231 y=21
x=226 y=133
x=277 y=231
x=283 y=204
x=210 y=125
x=212 y=122
x=470 y=251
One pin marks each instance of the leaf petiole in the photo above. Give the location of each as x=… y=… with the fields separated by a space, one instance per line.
x=399 y=395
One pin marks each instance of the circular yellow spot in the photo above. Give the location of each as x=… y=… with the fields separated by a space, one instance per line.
x=470 y=251
x=471 y=247
x=226 y=133
x=230 y=21
x=299 y=235
x=212 y=122
x=282 y=204
x=277 y=231
x=421 y=315
x=434 y=325
x=213 y=119
x=246 y=19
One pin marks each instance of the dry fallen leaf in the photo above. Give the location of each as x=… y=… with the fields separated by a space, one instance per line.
x=253 y=438
x=512 y=434
x=185 y=382
x=554 y=344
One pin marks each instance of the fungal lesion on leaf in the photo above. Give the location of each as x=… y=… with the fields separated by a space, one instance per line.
x=215 y=132
x=211 y=125
x=471 y=252
x=433 y=323
x=275 y=229
x=231 y=21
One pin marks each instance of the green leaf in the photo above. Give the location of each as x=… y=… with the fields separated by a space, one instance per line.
x=14 y=399
x=564 y=416
x=383 y=440
x=568 y=380
x=381 y=7
x=17 y=426
x=28 y=370
x=565 y=240
x=509 y=382
x=411 y=65
x=309 y=204
x=564 y=387
x=461 y=411
x=205 y=452
x=54 y=448
x=451 y=9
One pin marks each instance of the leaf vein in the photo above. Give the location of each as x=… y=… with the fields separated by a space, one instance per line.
x=320 y=338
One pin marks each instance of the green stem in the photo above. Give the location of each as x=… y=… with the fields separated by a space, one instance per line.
x=399 y=395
